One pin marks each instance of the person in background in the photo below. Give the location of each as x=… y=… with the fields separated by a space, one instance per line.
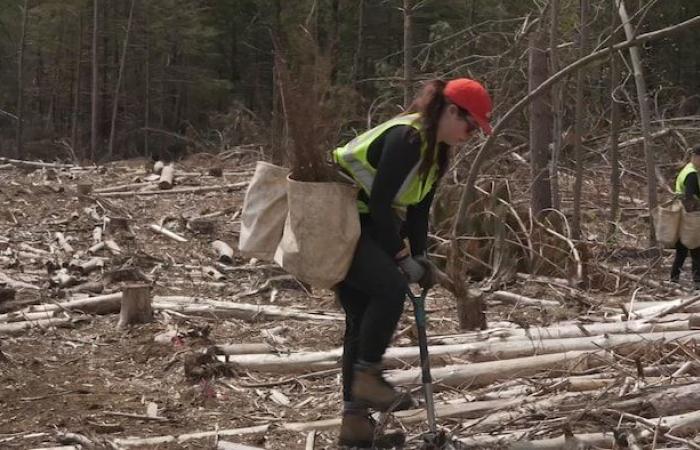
x=688 y=189
x=397 y=165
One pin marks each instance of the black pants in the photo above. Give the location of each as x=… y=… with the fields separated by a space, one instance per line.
x=681 y=254
x=372 y=295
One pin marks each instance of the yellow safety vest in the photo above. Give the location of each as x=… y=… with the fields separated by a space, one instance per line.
x=353 y=158
x=680 y=179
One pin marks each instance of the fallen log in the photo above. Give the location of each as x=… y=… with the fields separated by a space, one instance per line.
x=567 y=331
x=192 y=190
x=136 y=442
x=15 y=328
x=241 y=310
x=485 y=373
x=516 y=299
x=164 y=231
x=480 y=351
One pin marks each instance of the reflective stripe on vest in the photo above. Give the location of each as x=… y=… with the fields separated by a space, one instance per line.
x=680 y=179
x=353 y=158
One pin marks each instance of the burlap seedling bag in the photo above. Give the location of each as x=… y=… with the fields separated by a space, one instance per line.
x=320 y=233
x=690 y=229
x=264 y=212
x=667 y=223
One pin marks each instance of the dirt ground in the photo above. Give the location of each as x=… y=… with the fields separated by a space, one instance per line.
x=97 y=380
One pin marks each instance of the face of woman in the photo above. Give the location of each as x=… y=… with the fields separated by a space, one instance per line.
x=456 y=126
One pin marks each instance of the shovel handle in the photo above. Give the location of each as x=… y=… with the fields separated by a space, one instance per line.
x=419 y=312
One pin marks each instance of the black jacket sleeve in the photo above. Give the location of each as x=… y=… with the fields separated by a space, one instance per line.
x=399 y=154
x=416 y=226
x=691 y=188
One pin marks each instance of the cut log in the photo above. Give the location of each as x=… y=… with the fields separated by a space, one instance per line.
x=178 y=439
x=16 y=328
x=63 y=243
x=480 y=351
x=158 y=167
x=197 y=306
x=113 y=247
x=516 y=299
x=135 y=305
x=97 y=234
x=164 y=231
x=224 y=251
x=191 y=190
x=458 y=409
x=566 y=331
x=97 y=247
x=485 y=373
x=103 y=304
x=9 y=282
x=515 y=441
x=166 y=177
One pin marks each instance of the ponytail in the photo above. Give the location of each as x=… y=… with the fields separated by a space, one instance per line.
x=430 y=103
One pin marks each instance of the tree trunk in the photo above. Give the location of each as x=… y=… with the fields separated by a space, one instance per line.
x=115 y=101
x=557 y=112
x=75 y=129
x=136 y=305
x=94 y=102
x=540 y=126
x=356 y=70
x=644 y=112
x=147 y=68
x=407 y=51
x=19 y=152
x=579 y=123
x=614 y=136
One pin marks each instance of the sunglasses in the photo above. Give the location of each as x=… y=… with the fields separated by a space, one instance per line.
x=464 y=115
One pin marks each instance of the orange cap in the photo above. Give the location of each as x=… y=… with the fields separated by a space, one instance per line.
x=471 y=96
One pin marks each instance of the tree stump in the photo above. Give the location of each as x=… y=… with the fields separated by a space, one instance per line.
x=136 y=305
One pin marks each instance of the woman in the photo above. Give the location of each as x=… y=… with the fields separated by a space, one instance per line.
x=397 y=165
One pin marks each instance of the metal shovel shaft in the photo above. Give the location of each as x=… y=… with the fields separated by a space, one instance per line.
x=419 y=311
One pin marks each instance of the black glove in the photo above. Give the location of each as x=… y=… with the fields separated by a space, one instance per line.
x=412 y=269
x=429 y=277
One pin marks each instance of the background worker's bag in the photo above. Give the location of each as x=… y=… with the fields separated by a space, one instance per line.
x=320 y=233
x=690 y=229
x=264 y=212
x=667 y=222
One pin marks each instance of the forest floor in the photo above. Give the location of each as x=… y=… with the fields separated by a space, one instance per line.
x=86 y=378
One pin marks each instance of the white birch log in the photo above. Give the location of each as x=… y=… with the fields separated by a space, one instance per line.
x=113 y=247
x=223 y=251
x=158 y=167
x=97 y=234
x=515 y=441
x=102 y=304
x=482 y=351
x=485 y=373
x=164 y=231
x=166 y=177
x=242 y=310
x=191 y=190
x=139 y=442
x=97 y=247
x=566 y=331
x=63 y=243
x=15 y=328
x=516 y=299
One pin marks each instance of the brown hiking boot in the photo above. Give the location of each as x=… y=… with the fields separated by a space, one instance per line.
x=372 y=390
x=357 y=432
